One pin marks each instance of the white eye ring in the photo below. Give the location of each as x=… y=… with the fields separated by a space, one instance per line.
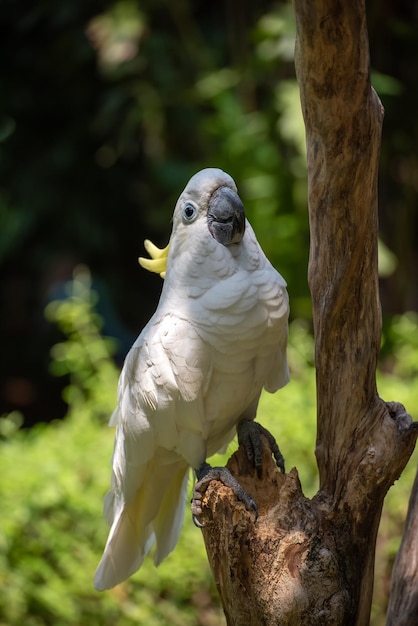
x=189 y=213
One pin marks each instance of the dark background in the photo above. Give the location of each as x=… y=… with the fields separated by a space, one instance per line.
x=106 y=110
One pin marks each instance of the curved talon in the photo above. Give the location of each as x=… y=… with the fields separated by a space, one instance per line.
x=197 y=523
x=253 y=506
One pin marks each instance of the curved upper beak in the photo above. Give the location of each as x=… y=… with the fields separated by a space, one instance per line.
x=226 y=216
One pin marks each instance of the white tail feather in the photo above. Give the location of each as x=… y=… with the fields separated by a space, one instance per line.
x=167 y=525
x=156 y=513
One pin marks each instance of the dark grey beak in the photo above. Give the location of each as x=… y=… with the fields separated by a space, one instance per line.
x=226 y=216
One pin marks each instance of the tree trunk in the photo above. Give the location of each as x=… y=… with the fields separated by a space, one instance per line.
x=311 y=561
x=403 y=603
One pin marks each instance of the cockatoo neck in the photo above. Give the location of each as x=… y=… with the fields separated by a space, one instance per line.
x=195 y=266
x=194 y=259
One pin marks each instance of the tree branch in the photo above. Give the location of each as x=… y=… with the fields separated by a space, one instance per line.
x=403 y=603
x=343 y=119
x=311 y=562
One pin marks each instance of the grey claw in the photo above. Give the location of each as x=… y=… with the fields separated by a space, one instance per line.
x=197 y=523
x=206 y=474
x=249 y=435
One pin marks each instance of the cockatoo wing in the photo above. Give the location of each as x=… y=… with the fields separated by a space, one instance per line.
x=159 y=423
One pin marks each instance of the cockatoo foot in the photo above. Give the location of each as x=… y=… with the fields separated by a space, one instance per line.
x=249 y=435
x=205 y=474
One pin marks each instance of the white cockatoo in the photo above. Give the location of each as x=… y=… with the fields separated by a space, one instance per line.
x=195 y=373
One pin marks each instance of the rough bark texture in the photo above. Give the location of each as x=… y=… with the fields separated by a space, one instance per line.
x=311 y=561
x=403 y=603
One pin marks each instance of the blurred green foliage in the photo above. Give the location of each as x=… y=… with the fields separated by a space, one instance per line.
x=54 y=477
x=85 y=355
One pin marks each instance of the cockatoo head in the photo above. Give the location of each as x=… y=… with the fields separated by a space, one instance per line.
x=208 y=210
x=210 y=198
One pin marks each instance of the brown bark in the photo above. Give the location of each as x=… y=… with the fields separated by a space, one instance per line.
x=403 y=603
x=311 y=561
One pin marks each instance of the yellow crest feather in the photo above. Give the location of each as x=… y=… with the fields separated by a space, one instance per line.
x=158 y=261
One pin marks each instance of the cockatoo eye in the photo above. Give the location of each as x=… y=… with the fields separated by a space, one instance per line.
x=189 y=213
